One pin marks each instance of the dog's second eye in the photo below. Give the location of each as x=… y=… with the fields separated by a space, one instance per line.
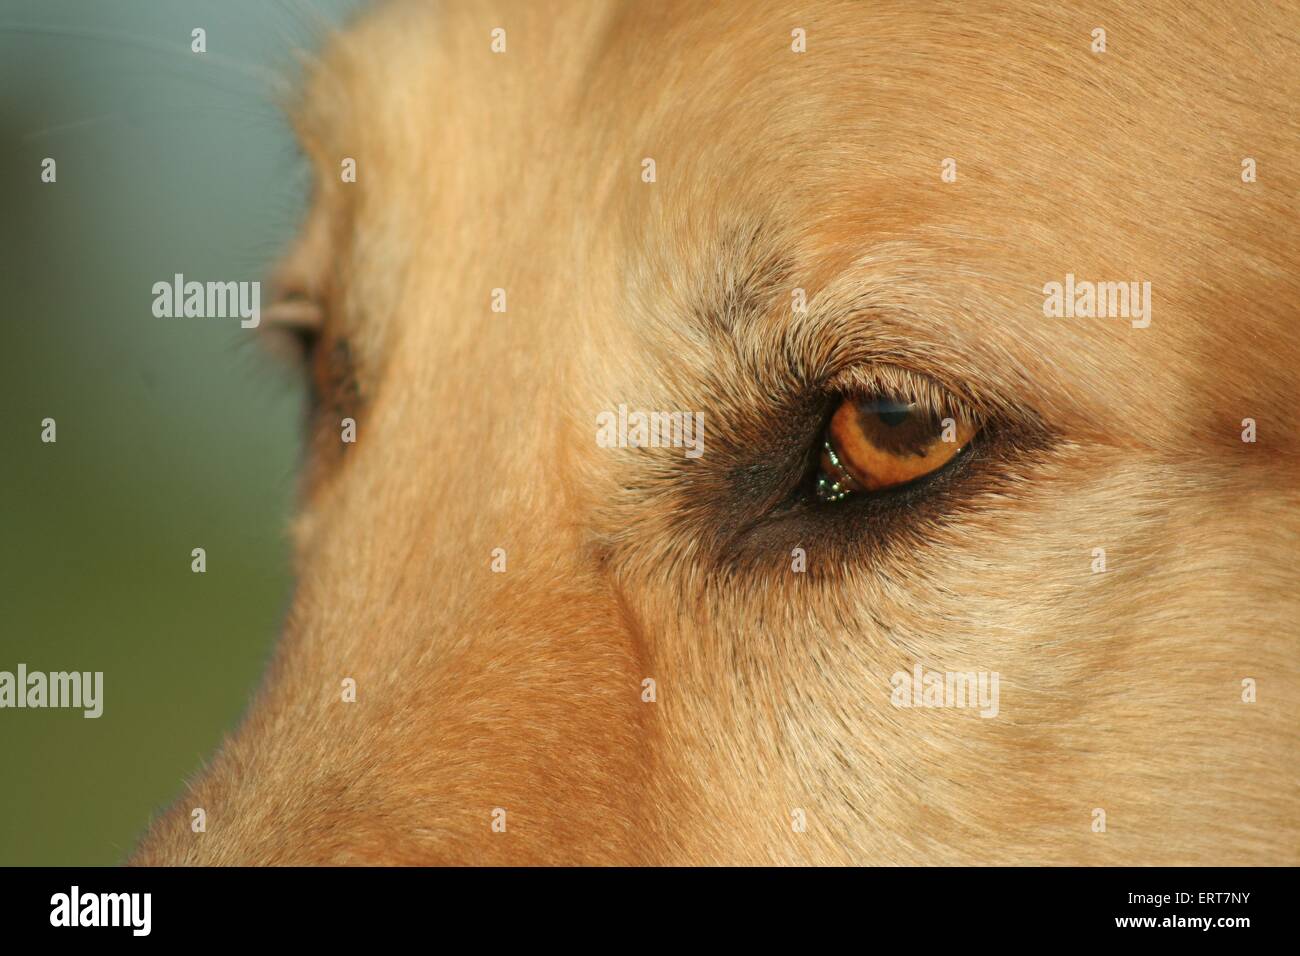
x=292 y=328
x=874 y=444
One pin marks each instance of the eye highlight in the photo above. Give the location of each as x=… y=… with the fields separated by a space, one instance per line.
x=876 y=443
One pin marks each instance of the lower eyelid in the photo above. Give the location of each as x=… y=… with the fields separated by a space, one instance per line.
x=962 y=457
x=861 y=528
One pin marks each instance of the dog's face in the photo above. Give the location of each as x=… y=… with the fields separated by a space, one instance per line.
x=798 y=242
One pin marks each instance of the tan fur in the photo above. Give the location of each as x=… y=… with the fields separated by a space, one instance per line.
x=522 y=690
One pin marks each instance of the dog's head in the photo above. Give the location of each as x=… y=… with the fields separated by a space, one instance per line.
x=536 y=621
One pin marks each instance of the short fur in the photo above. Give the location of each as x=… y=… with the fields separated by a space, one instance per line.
x=523 y=690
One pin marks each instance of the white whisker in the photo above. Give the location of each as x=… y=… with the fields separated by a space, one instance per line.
x=260 y=73
x=64 y=127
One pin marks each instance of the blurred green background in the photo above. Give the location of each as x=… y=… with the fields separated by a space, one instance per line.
x=172 y=433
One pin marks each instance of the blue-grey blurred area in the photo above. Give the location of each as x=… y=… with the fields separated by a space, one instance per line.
x=172 y=433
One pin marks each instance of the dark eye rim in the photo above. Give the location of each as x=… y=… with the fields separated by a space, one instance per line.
x=743 y=506
x=864 y=530
x=869 y=530
x=306 y=340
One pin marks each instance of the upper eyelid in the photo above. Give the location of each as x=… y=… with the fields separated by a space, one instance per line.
x=897 y=382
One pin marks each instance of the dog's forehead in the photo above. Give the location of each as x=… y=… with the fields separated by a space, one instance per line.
x=982 y=170
x=987 y=169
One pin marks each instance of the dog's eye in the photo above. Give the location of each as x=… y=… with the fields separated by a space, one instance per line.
x=292 y=327
x=874 y=443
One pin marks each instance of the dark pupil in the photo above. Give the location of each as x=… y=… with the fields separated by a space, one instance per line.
x=892 y=414
x=899 y=428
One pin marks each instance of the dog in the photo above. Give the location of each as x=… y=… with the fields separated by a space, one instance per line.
x=530 y=629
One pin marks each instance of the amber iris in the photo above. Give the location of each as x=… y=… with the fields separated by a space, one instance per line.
x=874 y=444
